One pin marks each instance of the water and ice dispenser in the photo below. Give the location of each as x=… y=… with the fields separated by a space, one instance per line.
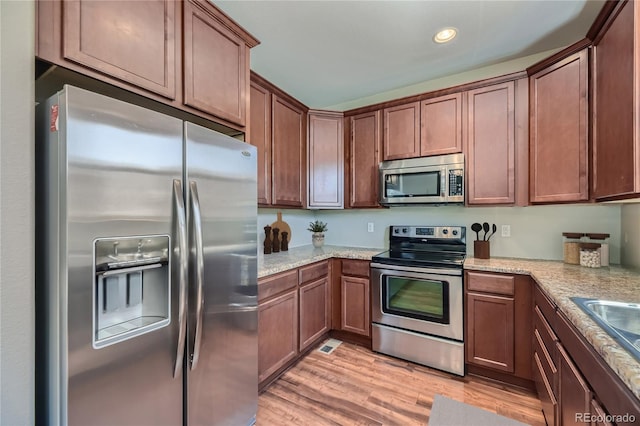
x=131 y=293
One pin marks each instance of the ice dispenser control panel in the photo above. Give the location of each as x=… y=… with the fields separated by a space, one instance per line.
x=132 y=287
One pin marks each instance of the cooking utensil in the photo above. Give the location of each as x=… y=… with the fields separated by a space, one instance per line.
x=476 y=227
x=493 y=231
x=282 y=225
x=485 y=227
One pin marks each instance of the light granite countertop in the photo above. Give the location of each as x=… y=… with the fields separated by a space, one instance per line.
x=558 y=280
x=561 y=281
x=269 y=264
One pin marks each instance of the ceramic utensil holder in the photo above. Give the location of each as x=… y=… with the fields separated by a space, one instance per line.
x=481 y=249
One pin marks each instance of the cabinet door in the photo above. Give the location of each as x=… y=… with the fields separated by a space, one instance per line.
x=598 y=415
x=326 y=160
x=289 y=157
x=215 y=65
x=441 y=125
x=130 y=40
x=402 y=131
x=355 y=305
x=615 y=140
x=314 y=311
x=490 y=333
x=558 y=129
x=277 y=333
x=260 y=131
x=574 y=394
x=491 y=145
x=364 y=157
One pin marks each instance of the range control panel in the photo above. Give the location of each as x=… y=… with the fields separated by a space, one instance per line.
x=439 y=232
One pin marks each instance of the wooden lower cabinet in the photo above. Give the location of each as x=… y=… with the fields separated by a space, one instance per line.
x=499 y=326
x=355 y=305
x=315 y=319
x=277 y=333
x=491 y=337
x=294 y=313
x=574 y=384
x=574 y=394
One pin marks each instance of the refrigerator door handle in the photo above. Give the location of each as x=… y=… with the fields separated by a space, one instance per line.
x=181 y=232
x=199 y=270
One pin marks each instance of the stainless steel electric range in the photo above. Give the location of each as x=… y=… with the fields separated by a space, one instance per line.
x=417 y=296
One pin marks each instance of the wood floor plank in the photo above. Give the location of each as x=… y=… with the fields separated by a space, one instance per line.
x=354 y=386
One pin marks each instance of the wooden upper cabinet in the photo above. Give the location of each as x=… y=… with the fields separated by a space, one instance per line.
x=288 y=127
x=133 y=41
x=186 y=54
x=326 y=160
x=490 y=136
x=260 y=137
x=616 y=138
x=559 y=131
x=441 y=125
x=402 y=131
x=364 y=158
x=216 y=71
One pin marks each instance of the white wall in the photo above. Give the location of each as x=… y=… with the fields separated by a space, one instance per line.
x=17 y=31
x=536 y=232
x=630 y=235
x=507 y=67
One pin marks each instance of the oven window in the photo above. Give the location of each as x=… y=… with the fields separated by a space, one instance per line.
x=416 y=298
x=425 y=184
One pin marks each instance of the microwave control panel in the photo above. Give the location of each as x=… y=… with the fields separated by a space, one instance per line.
x=456 y=179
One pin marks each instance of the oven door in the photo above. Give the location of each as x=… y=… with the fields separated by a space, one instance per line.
x=426 y=300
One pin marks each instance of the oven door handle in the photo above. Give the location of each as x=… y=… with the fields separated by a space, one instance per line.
x=418 y=270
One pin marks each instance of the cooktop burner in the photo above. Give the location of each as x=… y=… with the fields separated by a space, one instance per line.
x=425 y=246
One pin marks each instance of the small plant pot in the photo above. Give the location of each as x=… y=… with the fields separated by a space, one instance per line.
x=317 y=238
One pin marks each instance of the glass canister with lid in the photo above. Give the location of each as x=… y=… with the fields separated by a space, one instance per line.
x=590 y=255
x=571 y=247
x=604 y=246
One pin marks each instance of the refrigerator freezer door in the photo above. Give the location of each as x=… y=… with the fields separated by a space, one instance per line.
x=222 y=378
x=112 y=170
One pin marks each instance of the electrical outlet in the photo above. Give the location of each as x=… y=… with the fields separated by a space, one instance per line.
x=506 y=231
x=370 y=227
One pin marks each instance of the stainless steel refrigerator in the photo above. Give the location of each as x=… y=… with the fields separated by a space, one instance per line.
x=146 y=279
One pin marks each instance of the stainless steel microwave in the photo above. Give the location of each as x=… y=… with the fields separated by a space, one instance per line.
x=427 y=180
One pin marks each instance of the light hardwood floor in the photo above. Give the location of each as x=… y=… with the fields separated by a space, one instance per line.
x=354 y=386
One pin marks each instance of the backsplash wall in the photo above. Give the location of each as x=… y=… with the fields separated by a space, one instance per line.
x=536 y=232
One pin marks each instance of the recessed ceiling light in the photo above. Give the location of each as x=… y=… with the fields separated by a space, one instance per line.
x=445 y=35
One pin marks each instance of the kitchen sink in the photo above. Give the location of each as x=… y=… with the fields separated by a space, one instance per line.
x=620 y=320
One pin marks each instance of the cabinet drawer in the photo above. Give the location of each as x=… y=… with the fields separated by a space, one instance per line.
x=275 y=284
x=548 y=365
x=546 y=306
x=313 y=272
x=547 y=336
x=491 y=283
x=358 y=268
x=547 y=398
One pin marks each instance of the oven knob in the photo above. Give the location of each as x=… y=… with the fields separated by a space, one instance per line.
x=445 y=231
x=455 y=232
x=404 y=230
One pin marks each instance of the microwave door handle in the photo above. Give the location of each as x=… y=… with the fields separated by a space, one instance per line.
x=443 y=183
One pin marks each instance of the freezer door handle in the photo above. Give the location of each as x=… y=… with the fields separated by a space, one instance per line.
x=198 y=254
x=181 y=234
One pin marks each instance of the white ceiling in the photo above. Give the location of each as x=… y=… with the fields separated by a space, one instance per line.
x=325 y=53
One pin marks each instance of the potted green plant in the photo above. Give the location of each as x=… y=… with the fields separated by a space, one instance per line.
x=317 y=228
